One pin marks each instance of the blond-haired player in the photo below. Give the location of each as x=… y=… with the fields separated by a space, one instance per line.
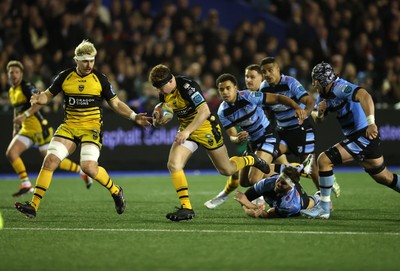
x=84 y=90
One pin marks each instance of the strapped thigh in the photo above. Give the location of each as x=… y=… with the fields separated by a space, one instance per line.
x=375 y=170
x=334 y=155
x=90 y=152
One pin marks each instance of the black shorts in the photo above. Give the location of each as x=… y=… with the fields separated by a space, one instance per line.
x=361 y=147
x=299 y=140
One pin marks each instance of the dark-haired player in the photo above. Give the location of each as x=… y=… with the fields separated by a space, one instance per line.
x=356 y=114
x=283 y=194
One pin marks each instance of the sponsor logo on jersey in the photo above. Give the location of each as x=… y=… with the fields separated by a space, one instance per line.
x=79 y=101
x=197 y=98
x=189 y=88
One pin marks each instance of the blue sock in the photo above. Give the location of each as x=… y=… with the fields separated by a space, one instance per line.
x=326 y=179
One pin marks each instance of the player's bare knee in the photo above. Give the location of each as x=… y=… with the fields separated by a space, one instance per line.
x=51 y=162
x=224 y=172
x=90 y=168
x=9 y=155
x=173 y=166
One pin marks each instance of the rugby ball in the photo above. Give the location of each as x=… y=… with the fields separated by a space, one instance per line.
x=162 y=114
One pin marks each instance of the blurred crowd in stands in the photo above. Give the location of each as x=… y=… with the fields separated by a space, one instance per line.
x=359 y=38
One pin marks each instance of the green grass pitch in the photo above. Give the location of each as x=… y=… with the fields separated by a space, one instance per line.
x=78 y=229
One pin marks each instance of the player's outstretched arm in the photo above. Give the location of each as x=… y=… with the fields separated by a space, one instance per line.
x=124 y=110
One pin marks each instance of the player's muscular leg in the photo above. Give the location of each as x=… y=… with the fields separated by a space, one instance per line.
x=178 y=156
x=221 y=161
x=51 y=162
x=378 y=171
x=90 y=168
x=255 y=174
x=14 y=150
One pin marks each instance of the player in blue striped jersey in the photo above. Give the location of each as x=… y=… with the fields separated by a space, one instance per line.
x=282 y=192
x=253 y=80
x=355 y=112
x=296 y=138
x=244 y=109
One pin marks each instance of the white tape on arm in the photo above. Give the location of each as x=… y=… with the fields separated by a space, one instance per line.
x=371 y=119
x=133 y=115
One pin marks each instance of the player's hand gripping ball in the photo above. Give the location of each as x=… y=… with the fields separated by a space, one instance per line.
x=162 y=114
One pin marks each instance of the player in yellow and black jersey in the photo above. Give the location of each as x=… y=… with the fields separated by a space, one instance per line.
x=84 y=90
x=30 y=127
x=197 y=127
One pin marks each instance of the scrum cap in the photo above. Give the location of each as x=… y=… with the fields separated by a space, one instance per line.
x=323 y=73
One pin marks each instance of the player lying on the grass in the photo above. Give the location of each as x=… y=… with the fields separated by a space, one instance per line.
x=356 y=115
x=283 y=194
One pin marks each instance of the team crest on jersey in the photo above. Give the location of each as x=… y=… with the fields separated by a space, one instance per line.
x=81 y=87
x=95 y=134
x=197 y=98
x=209 y=139
x=347 y=89
x=300 y=149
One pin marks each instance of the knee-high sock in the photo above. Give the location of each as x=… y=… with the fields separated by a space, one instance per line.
x=242 y=162
x=42 y=184
x=231 y=184
x=19 y=167
x=181 y=186
x=104 y=179
x=326 y=179
x=68 y=165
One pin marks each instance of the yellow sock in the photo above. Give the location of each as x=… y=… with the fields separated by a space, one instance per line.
x=231 y=184
x=19 y=167
x=181 y=187
x=42 y=184
x=242 y=162
x=68 y=165
x=104 y=179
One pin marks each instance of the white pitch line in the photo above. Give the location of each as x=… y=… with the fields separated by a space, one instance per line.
x=210 y=231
